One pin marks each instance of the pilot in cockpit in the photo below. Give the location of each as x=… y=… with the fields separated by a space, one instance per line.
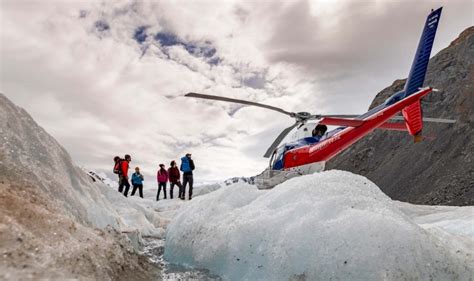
x=319 y=131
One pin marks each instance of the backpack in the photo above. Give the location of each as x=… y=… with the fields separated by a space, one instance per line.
x=118 y=167
x=185 y=165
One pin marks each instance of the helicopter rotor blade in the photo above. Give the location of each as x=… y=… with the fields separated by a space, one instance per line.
x=280 y=137
x=319 y=116
x=211 y=97
x=428 y=119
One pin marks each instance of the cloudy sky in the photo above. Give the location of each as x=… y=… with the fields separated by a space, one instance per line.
x=108 y=78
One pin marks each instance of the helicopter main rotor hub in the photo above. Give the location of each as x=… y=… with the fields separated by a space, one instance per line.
x=302 y=116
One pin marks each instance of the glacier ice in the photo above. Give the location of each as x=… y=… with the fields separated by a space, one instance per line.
x=330 y=225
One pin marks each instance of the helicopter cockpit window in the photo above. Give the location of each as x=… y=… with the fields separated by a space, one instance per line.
x=276 y=162
x=273 y=159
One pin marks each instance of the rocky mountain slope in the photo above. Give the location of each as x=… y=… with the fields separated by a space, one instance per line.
x=55 y=222
x=439 y=170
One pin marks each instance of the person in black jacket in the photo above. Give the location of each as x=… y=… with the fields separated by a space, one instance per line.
x=187 y=167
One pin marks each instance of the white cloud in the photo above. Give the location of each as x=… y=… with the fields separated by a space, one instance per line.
x=76 y=67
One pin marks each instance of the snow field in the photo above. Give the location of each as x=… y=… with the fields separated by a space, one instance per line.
x=327 y=225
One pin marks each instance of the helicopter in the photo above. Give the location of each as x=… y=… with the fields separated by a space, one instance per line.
x=309 y=154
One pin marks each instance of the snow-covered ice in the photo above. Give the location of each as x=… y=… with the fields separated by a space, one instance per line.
x=327 y=225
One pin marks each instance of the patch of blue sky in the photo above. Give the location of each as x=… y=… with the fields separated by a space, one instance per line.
x=208 y=51
x=140 y=34
x=214 y=61
x=192 y=48
x=167 y=39
x=197 y=49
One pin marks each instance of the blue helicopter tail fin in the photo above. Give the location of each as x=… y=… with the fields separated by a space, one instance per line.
x=420 y=63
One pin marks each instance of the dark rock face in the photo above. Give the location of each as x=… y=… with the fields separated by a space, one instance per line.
x=440 y=169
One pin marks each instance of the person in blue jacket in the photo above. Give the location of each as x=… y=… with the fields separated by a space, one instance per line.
x=187 y=167
x=137 y=182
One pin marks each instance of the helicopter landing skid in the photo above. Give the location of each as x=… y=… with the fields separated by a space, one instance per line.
x=270 y=178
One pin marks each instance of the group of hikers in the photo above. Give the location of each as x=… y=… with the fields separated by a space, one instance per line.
x=163 y=175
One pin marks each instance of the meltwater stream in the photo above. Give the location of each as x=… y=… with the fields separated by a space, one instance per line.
x=154 y=250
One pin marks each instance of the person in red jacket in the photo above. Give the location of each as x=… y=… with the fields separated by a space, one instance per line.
x=162 y=178
x=124 y=175
x=174 y=178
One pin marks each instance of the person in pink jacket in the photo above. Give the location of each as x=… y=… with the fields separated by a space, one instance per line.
x=162 y=178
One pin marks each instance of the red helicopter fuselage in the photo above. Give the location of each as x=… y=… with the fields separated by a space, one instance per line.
x=356 y=129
